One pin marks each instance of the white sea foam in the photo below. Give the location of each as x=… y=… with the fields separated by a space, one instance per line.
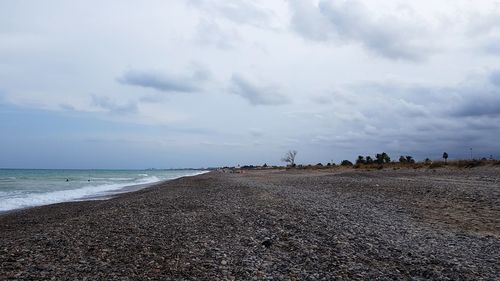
x=114 y=179
x=18 y=200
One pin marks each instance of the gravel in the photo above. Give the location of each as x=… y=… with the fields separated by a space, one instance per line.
x=402 y=224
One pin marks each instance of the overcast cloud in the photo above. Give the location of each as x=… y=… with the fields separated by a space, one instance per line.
x=391 y=36
x=206 y=83
x=256 y=95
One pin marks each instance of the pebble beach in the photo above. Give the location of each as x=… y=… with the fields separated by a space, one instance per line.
x=340 y=224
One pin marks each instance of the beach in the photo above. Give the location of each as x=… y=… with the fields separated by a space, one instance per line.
x=352 y=224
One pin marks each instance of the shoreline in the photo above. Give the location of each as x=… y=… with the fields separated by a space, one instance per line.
x=130 y=189
x=106 y=195
x=289 y=225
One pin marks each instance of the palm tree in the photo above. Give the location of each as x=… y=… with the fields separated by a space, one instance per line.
x=445 y=157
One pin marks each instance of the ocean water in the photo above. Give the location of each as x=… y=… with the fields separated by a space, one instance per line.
x=29 y=188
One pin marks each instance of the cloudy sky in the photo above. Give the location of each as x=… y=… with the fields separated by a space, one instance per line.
x=138 y=84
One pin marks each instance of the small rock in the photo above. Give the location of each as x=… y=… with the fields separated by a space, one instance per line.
x=267 y=243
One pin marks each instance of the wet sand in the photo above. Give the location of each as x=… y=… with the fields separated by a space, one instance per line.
x=288 y=225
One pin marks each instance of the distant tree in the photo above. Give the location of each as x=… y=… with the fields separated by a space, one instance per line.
x=386 y=158
x=369 y=160
x=346 y=163
x=382 y=158
x=402 y=159
x=445 y=157
x=319 y=165
x=328 y=164
x=290 y=157
x=265 y=165
x=410 y=159
x=428 y=161
x=361 y=160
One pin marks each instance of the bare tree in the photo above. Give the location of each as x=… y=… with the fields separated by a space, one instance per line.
x=290 y=157
x=445 y=157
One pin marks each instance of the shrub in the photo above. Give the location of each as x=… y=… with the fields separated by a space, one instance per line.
x=382 y=158
x=409 y=159
x=436 y=165
x=346 y=163
x=369 y=160
x=470 y=163
x=360 y=160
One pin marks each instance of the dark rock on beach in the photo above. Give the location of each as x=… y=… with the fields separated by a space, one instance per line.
x=269 y=225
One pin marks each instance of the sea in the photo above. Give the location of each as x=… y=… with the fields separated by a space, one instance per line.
x=21 y=188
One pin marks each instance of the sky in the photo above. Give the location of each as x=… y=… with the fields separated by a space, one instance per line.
x=199 y=83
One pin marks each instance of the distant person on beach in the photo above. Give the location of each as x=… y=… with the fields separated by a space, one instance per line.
x=67 y=180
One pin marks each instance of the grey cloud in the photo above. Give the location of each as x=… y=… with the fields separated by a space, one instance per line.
x=478 y=100
x=210 y=33
x=352 y=22
x=484 y=28
x=222 y=144
x=256 y=132
x=2 y=96
x=242 y=12
x=67 y=107
x=112 y=106
x=165 y=82
x=334 y=96
x=495 y=78
x=256 y=95
x=308 y=21
x=418 y=120
x=489 y=44
x=321 y=100
x=485 y=105
x=463 y=100
x=492 y=48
